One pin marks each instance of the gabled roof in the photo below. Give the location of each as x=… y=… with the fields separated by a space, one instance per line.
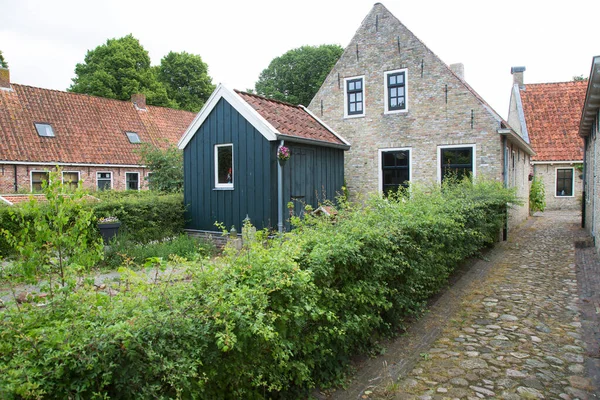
x=275 y=120
x=552 y=112
x=88 y=129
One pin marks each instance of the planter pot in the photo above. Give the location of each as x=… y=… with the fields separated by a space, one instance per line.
x=282 y=162
x=108 y=231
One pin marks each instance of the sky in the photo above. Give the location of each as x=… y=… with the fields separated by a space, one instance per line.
x=43 y=40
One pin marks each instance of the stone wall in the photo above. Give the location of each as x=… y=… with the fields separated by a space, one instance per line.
x=547 y=174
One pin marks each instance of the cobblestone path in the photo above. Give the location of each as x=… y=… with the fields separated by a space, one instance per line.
x=511 y=328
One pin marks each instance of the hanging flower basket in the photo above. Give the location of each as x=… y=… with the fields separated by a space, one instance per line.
x=283 y=154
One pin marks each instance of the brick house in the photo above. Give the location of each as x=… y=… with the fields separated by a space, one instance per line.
x=411 y=118
x=548 y=114
x=92 y=139
x=589 y=130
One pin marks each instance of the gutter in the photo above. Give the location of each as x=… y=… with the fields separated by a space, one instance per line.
x=522 y=143
x=323 y=143
x=73 y=164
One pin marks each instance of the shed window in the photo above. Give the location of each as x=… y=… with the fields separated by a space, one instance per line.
x=395 y=170
x=44 y=130
x=456 y=162
x=395 y=88
x=354 y=88
x=224 y=166
x=104 y=180
x=564 y=182
x=37 y=179
x=133 y=137
x=132 y=181
x=70 y=179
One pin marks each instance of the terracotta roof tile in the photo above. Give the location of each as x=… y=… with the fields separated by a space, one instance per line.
x=87 y=129
x=290 y=120
x=552 y=113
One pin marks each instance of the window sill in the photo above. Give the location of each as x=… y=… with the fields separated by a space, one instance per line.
x=224 y=188
x=563 y=197
x=395 y=112
x=354 y=116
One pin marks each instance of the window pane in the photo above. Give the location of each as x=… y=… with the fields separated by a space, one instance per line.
x=44 y=130
x=352 y=98
x=350 y=85
x=358 y=96
x=564 y=182
x=359 y=107
x=359 y=84
x=132 y=181
x=401 y=78
x=457 y=162
x=225 y=164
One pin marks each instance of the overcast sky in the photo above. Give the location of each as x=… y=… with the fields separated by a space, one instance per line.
x=42 y=40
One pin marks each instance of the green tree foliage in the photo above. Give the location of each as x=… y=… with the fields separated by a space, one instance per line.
x=3 y=62
x=580 y=78
x=537 y=196
x=166 y=166
x=118 y=69
x=185 y=77
x=296 y=76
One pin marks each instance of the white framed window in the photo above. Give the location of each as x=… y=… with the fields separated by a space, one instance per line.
x=132 y=180
x=104 y=180
x=394 y=169
x=70 y=179
x=354 y=97
x=36 y=178
x=224 y=172
x=564 y=182
x=456 y=160
x=395 y=91
x=44 y=129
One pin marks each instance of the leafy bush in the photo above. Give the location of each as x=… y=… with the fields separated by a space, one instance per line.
x=537 y=196
x=270 y=321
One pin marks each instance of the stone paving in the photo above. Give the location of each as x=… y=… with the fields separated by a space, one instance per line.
x=514 y=331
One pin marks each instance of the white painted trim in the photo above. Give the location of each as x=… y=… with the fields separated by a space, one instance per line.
x=325 y=126
x=216 y=156
x=52 y=164
x=572 y=182
x=138 y=180
x=455 y=146
x=380 y=166
x=62 y=177
x=385 y=91
x=104 y=172
x=364 y=95
x=556 y=162
x=31 y=177
x=238 y=103
x=4 y=200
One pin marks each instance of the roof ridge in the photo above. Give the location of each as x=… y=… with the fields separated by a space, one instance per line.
x=557 y=83
x=267 y=99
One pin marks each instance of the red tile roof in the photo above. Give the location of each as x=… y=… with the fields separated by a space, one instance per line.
x=12 y=199
x=88 y=129
x=290 y=120
x=552 y=113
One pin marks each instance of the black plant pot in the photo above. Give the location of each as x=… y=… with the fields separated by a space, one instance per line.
x=108 y=231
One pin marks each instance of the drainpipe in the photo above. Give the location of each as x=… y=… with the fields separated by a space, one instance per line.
x=585 y=148
x=280 y=194
x=16 y=183
x=505 y=147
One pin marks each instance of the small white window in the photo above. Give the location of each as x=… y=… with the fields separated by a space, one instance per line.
x=396 y=91
x=132 y=181
x=44 y=129
x=104 y=180
x=224 y=172
x=456 y=161
x=354 y=97
x=70 y=179
x=133 y=137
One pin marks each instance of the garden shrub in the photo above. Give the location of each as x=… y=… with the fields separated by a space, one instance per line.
x=537 y=196
x=273 y=320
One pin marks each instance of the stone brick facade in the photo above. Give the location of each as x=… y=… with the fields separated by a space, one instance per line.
x=441 y=110
x=547 y=174
x=87 y=174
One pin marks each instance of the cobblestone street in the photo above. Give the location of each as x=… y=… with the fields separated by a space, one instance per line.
x=516 y=325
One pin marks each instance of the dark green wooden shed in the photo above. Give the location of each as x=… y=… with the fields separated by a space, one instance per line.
x=231 y=166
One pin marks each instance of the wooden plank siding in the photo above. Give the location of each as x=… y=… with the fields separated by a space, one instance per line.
x=254 y=190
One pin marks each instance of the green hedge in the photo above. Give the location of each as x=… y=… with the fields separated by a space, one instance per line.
x=272 y=321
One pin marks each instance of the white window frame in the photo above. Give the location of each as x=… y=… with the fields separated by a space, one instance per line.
x=455 y=146
x=364 y=95
x=572 y=182
x=47 y=172
x=70 y=172
x=385 y=91
x=218 y=185
x=138 y=180
x=104 y=172
x=46 y=133
x=380 y=163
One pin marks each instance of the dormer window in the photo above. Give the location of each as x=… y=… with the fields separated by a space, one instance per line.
x=133 y=137
x=44 y=130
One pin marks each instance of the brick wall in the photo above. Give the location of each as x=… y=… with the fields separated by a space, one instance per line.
x=87 y=174
x=547 y=173
x=441 y=110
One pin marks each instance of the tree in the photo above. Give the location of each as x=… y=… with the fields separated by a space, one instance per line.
x=580 y=78
x=118 y=69
x=186 y=80
x=3 y=62
x=166 y=166
x=296 y=76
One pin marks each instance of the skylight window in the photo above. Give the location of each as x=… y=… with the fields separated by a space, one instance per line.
x=133 y=137
x=44 y=130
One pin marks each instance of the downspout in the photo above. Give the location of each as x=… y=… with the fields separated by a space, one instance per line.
x=505 y=148
x=583 y=202
x=16 y=182
x=280 y=194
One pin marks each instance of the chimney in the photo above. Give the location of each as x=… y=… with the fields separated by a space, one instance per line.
x=459 y=70
x=517 y=73
x=4 y=78
x=139 y=100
